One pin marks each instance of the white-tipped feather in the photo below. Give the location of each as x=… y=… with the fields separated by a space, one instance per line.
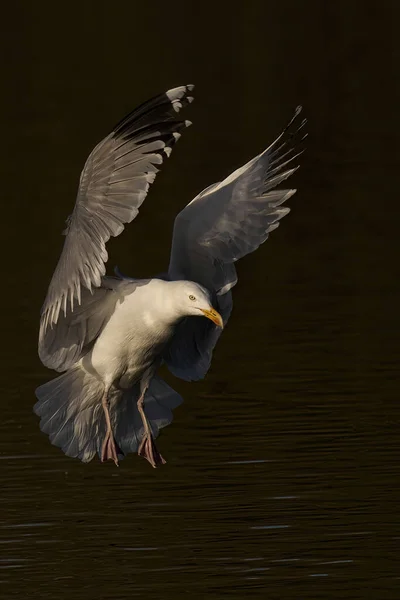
x=176 y=93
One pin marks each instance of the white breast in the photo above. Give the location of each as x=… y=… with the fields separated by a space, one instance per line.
x=132 y=339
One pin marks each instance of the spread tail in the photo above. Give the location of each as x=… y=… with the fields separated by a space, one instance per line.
x=72 y=414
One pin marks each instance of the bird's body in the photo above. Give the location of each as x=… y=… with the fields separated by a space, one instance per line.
x=109 y=335
x=134 y=337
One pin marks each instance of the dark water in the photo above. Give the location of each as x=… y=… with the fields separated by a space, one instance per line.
x=283 y=464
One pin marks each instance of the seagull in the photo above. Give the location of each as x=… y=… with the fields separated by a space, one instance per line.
x=108 y=335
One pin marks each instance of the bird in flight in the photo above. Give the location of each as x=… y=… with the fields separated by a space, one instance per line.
x=108 y=335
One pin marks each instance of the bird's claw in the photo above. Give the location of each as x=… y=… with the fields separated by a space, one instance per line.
x=148 y=450
x=109 y=449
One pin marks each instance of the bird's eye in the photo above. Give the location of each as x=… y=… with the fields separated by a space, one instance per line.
x=191 y=297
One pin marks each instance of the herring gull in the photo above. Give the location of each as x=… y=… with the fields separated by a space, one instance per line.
x=108 y=335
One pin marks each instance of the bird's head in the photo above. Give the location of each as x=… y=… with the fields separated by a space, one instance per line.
x=195 y=300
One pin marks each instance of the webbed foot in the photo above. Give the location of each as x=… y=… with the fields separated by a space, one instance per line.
x=110 y=449
x=148 y=450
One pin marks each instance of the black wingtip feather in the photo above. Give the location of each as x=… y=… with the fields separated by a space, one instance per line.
x=290 y=141
x=288 y=146
x=161 y=108
x=151 y=131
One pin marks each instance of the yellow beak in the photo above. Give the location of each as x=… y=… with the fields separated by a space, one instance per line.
x=214 y=316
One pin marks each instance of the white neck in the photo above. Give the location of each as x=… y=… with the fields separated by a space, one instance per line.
x=166 y=309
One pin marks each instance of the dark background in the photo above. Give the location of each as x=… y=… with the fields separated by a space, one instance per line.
x=283 y=464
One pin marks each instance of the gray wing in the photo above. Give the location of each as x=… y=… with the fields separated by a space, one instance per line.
x=60 y=347
x=223 y=223
x=113 y=185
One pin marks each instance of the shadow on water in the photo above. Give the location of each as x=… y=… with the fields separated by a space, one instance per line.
x=283 y=464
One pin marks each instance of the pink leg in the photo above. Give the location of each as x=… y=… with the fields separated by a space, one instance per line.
x=148 y=448
x=109 y=448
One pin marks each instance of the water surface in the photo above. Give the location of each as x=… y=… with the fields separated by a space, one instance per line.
x=283 y=464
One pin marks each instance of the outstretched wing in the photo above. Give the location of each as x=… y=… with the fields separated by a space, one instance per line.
x=223 y=223
x=113 y=185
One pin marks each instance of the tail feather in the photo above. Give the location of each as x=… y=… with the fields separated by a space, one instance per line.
x=71 y=413
x=73 y=417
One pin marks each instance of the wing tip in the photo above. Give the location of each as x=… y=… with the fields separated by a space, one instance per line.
x=176 y=98
x=179 y=97
x=177 y=93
